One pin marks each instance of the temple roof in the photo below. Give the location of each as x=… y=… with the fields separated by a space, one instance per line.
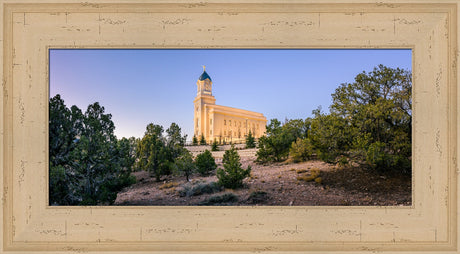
x=204 y=76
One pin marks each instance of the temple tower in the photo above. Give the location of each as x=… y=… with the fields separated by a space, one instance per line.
x=203 y=97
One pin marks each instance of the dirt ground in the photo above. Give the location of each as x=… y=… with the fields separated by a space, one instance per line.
x=312 y=183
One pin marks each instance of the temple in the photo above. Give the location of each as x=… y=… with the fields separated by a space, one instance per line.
x=221 y=123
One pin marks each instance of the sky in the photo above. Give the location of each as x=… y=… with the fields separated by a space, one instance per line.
x=138 y=86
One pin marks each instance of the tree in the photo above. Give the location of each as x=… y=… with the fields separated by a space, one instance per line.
x=250 y=141
x=330 y=135
x=202 y=140
x=175 y=141
x=152 y=151
x=194 y=140
x=62 y=136
x=233 y=174
x=376 y=108
x=215 y=146
x=88 y=165
x=301 y=150
x=275 y=145
x=185 y=164
x=95 y=156
x=205 y=162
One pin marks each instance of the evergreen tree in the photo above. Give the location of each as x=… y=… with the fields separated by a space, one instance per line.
x=250 y=140
x=88 y=165
x=215 y=146
x=205 y=162
x=152 y=151
x=194 y=141
x=233 y=174
x=202 y=140
x=185 y=164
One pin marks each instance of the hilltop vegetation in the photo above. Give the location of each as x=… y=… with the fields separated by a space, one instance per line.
x=369 y=123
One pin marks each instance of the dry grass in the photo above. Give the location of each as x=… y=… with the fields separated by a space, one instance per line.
x=168 y=185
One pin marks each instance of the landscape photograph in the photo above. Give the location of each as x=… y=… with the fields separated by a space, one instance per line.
x=230 y=127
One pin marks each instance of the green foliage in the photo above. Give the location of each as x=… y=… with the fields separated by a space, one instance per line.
x=330 y=135
x=185 y=164
x=370 y=121
x=377 y=109
x=88 y=165
x=202 y=140
x=250 y=140
x=301 y=150
x=215 y=146
x=194 y=141
x=275 y=145
x=205 y=163
x=233 y=174
x=157 y=153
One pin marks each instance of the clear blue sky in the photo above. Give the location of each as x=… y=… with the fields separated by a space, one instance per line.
x=134 y=85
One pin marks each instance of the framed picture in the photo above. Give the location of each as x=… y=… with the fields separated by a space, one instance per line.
x=32 y=28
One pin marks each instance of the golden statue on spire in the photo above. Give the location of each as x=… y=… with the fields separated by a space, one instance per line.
x=204 y=67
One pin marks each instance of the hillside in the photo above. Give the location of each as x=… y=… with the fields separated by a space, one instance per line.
x=279 y=184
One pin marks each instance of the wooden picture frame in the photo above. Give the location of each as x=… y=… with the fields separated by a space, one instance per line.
x=31 y=27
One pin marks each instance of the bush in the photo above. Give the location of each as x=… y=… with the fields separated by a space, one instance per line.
x=258 y=196
x=205 y=163
x=301 y=150
x=233 y=174
x=199 y=188
x=314 y=175
x=227 y=197
x=377 y=158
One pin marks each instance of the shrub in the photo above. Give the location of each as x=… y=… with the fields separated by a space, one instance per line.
x=376 y=156
x=233 y=174
x=301 y=150
x=168 y=185
x=227 y=197
x=314 y=175
x=205 y=163
x=199 y=188
x=258 y=196
x=343 y=162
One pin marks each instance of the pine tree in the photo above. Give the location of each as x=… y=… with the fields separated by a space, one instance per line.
x=233 y=174
x=215 y=146
x=250 y=140
x=194 y=140
x=205 y=163
x=202 y=140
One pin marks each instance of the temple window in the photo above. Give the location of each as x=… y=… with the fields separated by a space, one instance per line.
x=225 y=122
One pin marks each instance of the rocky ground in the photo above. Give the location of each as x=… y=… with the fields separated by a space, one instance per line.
x=312 y=183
